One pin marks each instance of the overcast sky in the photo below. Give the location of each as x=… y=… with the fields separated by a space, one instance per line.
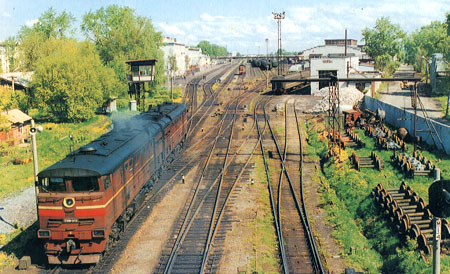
x=243 y=25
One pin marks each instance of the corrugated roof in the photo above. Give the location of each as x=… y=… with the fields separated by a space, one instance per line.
x=16 y=116
x=20 y=78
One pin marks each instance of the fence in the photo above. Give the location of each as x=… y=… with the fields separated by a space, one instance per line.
x=398 y=117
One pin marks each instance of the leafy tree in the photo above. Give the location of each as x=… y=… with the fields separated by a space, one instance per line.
x=31 y=39
x=10 y=46
x=119 y=35
x=70 y=81
x=186 y=62
x=384 y=43
x=10 y=99
x=421 y=44
x=212 y=49
x=173 y=63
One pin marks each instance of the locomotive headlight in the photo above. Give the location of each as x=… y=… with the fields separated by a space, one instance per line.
x=69 y=202
x=43 y=233
x=98 y=233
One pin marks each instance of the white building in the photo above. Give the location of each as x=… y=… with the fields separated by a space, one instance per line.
x=333 y=48
x=342 y=67
x=4 y=62
x=330 y=59
x=187 y=58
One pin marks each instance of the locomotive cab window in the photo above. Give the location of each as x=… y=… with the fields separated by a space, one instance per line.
x=53 y=184
x=106 y=182
x=85 y=184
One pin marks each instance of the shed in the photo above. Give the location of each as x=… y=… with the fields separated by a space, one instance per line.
x=17 y=129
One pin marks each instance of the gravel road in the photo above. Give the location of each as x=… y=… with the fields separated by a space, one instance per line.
x=19 y=209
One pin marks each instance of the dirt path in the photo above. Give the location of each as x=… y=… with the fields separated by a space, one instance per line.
x=145 y=247
x=395 y=96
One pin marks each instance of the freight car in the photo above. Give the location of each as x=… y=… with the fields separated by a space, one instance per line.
x=85 y=200
x=265 y=65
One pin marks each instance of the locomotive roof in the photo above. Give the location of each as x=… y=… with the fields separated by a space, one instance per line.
x=103 y=155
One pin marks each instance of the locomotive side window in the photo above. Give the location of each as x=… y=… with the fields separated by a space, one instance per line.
x=53 y=184
x=85 y=184
x=106 y=182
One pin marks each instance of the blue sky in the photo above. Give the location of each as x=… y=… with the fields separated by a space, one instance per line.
x=243 y=25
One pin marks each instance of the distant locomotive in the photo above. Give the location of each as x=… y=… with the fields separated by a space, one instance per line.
x=87 y=198
x=241 y=70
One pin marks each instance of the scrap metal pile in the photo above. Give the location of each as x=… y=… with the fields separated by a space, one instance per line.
x=416 y=165
x=385 y=139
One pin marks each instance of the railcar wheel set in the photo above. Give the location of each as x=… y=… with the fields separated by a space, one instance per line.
x=407 y=212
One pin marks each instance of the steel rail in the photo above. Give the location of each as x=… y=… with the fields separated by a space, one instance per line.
x=317 y=260
x=177 y=244
x=185 y=226
x=269 y=185
x=310 y=238
x=222 y=210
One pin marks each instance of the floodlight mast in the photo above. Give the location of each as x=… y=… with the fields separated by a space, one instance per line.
x=279 y=17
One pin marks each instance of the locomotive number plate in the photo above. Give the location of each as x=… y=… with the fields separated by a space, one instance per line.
x=70 y=220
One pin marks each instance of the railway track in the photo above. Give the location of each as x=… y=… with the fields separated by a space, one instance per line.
x=207 y=215
x=172 y=173
x=298 y=251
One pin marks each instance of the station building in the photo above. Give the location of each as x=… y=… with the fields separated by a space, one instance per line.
x=330 y=59
x=188 y=59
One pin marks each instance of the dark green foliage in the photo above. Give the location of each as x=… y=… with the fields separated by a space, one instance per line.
x=212 y=49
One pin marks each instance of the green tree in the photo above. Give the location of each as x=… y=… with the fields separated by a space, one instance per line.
x=119 y=35
x=421 y=44
x=212 y=49
x=186 y=62
x=384 y=43
x=10 y=46
x=10 y=99
x=173 y=63
x=70 y=81
x=31 y=39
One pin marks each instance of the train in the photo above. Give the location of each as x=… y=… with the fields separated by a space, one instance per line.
x=264 y=64
x=85 y=200
x=241 y=70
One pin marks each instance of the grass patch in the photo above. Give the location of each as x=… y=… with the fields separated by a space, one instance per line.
x=265 y=243
x=53 y=145
x=443 y=100
x=368 y=242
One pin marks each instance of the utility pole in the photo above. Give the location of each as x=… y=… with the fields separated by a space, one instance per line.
x=267 y=67
x=345 y=47
x=13 y=84
x=279 y=17
x=414 y=105
x=171 y=86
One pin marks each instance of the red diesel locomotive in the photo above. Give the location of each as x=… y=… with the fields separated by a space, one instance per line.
x=241 y=70
x=86 y=198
